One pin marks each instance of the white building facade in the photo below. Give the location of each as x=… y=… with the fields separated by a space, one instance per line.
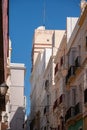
x=17 y=98
x=45 y=44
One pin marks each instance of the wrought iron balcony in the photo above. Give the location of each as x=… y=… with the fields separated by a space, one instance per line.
x=73 y=111
x=70 y=113
x=78 y=108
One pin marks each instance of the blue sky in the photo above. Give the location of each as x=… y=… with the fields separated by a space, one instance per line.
x=25 y=17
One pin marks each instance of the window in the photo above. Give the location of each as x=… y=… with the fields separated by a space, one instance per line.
x=46 y=83
x=79 y=50
x=56 y=68
x=85 y=79
x=61 y=61
x=86 y=74
x=58 y=127
x=61 y=98
x=80 y=92
x=85 y=96
x=86 y=43
x=48 y=99
x=68 y=99
x=72 y=55
x=73 y=96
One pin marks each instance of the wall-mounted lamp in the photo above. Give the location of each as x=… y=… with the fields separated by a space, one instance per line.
x=5 y=118
x=3 y=88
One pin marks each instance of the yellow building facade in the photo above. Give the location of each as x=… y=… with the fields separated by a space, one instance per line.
x=76 y=78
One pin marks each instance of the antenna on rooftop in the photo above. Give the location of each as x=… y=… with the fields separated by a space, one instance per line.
x=44 y=12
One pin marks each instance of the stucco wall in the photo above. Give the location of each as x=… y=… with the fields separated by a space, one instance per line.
x=17 y=96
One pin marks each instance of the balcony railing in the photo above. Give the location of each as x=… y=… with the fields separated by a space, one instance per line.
x=70 y=73
x=85 y=96
x=73 y=111
x=78 y=108
x=70 y=113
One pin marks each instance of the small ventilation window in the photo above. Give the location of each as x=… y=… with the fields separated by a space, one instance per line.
x=47 y=40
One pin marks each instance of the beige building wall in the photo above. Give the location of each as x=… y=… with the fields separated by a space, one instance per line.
x=70 y=48
x=77 y=58
x=17 y=99
x=59 y=79
x=71 y=23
